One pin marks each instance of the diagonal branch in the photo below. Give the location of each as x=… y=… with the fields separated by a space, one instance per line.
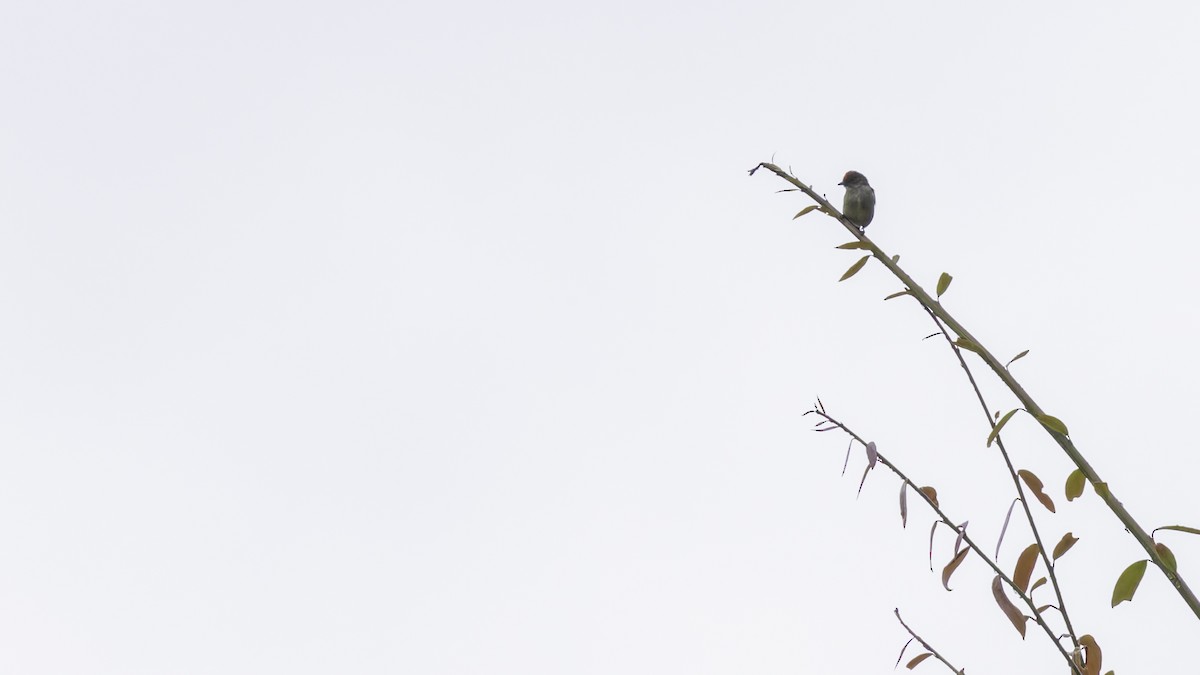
x=1030 y=405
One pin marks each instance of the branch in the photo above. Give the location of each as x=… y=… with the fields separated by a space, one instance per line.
x=1030 y=405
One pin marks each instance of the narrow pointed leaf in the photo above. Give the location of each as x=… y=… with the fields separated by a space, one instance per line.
x=1075 y=483
x=1010 y=610
x=1007 y=517
x=1041 y=581
x=898 y=294
x=853 y=245
x=1018 y=356
x=1000 y=425
x=904 y=505
x=1053 y=423
x=1024 y=569
x=1178 y=528
x=902 y=649
x=863 y=482
x=1127 y=583
x=953 y=565
x=1035 y=486
x=872 y=455
x=932 y=531
x=806 y=210
x=917 y=660
x=943 y=283
x=1167 y=556
x=962 y=532
x=855 y=267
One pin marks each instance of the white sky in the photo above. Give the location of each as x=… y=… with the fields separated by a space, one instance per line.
x=454 y=338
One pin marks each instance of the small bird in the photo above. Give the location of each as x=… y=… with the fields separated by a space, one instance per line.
x=859 y=204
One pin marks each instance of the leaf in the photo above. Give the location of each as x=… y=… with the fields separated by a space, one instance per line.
x=1036 y=584
x=953 y=565
x=931 y=493
x=1127 y=583
x=1018 y=356
x=1010 y=610
x=853 y=244
x=899 y=294
x=943 y=283
x=962 y=532
x=1060 y=549
x=863 y=482
x=1024 y=569
x=1075 y=483
x=932 y=531
x=1167 y=556
x=904 y=505
x=1035 y=486
x=1094 y=657
x=805 y=210
x=1178 y=528
x=904 y=648
x=855 y=267
x=917 y=660
x=1000 y=425
x=1053 y=424
x=896 y=259
x=969 y=345
x=1007 y=517
x=872 y=455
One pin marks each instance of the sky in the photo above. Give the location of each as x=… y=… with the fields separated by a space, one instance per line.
x=452 y=338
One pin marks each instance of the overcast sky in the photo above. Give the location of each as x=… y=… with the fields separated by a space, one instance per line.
x=445 y=338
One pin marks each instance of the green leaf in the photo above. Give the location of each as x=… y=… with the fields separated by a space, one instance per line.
x=1000 y=425
x=854 y=244
x=943 y=283
x=899 y=294
x=1178 y=528
x=1053 y=424
x=1167 y=556
x=964 y=343
x=855 y=267
x=1075 y=483
x=1127 y=583
x=806 y=210
x=1018 y=356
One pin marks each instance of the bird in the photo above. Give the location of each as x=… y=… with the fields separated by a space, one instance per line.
x=859 y=203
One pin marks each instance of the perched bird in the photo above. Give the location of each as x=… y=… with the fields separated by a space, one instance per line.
x=859 y=204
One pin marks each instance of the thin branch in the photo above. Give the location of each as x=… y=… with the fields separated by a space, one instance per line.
x=1012 y=472
x=925 y=644
x=1037 y=616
